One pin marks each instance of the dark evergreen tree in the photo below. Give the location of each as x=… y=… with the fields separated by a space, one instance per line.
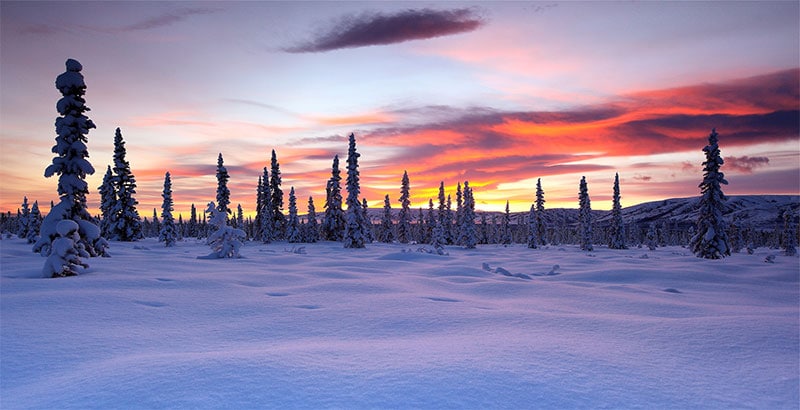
x=293 y=234
x=354 y=235
x=459 y=214
x=107 y=200
x=541 y=228
x=469 y=237
x=789 y=242
x=34 y=223
x=278 y=219
x=430 y=223
x=168 y=233
x=312 y=227
x=505 y=227
x=334 y=221
x=259 y=207
x=192 y=229
x=585 y=217
x=533 y=228
x=367 y=221
x=617 y=237
x=404 y=234
x=72 y=166
x=420 y=231
x=155 y=227
x=239 y=217
x=223 y=193
x=448 y=221
x=268 y=233
x=22 y=220
x=387 y=227
x=711 y=240
x=126 y=224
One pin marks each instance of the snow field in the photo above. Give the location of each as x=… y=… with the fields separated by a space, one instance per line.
x=387 y=326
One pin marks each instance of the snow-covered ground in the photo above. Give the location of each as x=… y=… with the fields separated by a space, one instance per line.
x=391 y=327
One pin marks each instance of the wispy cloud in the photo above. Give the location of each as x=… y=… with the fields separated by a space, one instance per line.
x=746 y=164
x=166 y=19
x=369 y=29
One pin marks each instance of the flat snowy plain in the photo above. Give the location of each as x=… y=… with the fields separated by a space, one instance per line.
x=390 y=327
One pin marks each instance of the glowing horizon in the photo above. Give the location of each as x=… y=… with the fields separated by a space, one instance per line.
x=474 y=98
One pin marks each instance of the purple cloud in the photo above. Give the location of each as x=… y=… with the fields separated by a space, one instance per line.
x=745 y=164
x=371 y=29
x=166 y=19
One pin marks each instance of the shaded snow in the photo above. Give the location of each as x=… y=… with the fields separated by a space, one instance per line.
x=388 y=326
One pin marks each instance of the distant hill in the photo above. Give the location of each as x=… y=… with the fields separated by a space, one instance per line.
x=756 y=211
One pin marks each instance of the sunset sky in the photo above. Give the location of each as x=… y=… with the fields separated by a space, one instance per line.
x=497 y=93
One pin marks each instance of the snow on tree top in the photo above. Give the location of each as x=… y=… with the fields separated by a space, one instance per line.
x=66 y=227
x=73 y=65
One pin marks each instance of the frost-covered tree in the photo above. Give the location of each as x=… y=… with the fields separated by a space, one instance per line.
x=334 y=219
x=468 y=234
x=126 y=224
x=585 y=217
x=711 y=240
x=789 y=244
x=72 y=166
x=420 y=233
x=533 y=231
x=108 y=197
x=22 y=220
x=367 y=221
x=430 y=222
x=387 y=227
x=192 y=228
x=541 y=228
x=259 y=207
x=223 y=193
x=354 y=235
x=404 y=234
x=505 y=227
x=239 y=216
x=312 y=227
x=617 y=237
x=651 y=237
x=276 y=202
x=459 y=222
x=448 y=221
x=225 y=241
x=34 y=223
x=168 y=233
x=293 y=234
x=66 y=253
x=437 y=237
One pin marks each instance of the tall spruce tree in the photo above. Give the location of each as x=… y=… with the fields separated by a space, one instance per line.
x=617 y=237
x=468 y=234
x=22 y=230
x=293 y=234
x=34 y=223
x=505 y=227
x=404 y=234
x=711 y=240
x=354 y=235
x=585 y=217
x=334 y=220
x=267 y=220
x=459 y=214
x=278 y=219
x=72 y=166
x=387 y=227
x=168 y=233
x=541 y=228
x=312 y=227
x=533 y=229
x=367 y=221
x=192 y=228
x=107 y=199
x=259 y=208
x=126 y=225
x=223 y=193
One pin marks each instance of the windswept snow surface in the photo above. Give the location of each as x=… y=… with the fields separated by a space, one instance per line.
x=391 y=327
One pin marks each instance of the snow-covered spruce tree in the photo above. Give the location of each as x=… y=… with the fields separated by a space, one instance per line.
x=293 y=234
x=312 y=227
x=469 y=237
x=585 y=217
x=334 y=220
x=108 y=197
x=259 y=208
x=505 y=227
x=448 y=221
x=354 y=235
x=459 y=222
x=239 y=217
x=419 y=232
x=192 y=228
x=533 y=231
x=225 y=241
x=617 y=237
x=651 y=237
x=126 y=225
x=541 y=228
x=430 y=222
x=367 y=221
x=72 y=166
x=404 y=234
x=267 y=220
x=155 y=227
x=223 y=193
x=22 y=221
x=387 y=227
x=711 y=240
x=66 y=253
x=276 y=202
x=34 y=223
x=442 y=215
x=789 y=240
x=168 y=233
x=437 y=237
